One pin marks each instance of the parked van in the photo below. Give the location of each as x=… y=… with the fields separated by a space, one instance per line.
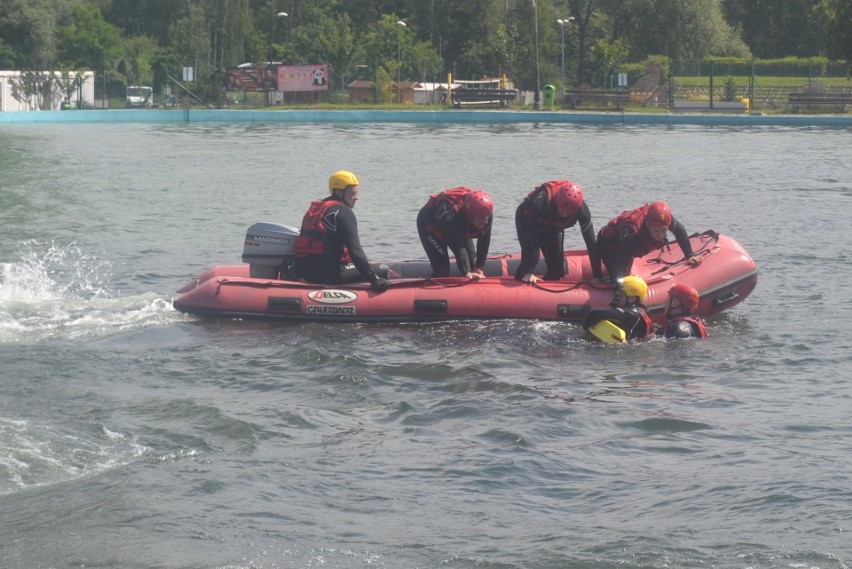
x=139 y=97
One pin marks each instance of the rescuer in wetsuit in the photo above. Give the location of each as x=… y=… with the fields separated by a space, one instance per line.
x=638 y=232
x=626 y=310
x=681 y=319
x=450 y=221
x=328 y=249
x=541 y=220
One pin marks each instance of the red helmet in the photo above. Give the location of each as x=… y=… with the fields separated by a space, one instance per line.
x=478 y=204
x=687 y=295
x=659 y=215
x=569 y=197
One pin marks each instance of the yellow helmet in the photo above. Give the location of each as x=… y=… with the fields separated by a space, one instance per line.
x=635 y=286
x=340 y=179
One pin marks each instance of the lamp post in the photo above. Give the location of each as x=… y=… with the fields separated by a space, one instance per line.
x=562 y=38
x=536 y=96
x=278 y=16
x=270 y=66
x=399 y=60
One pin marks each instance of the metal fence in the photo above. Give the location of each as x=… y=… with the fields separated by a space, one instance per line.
x=752 y=84
x=732 y=85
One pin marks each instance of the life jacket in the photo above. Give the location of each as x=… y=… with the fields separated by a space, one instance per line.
x=552 y=222
x=451 y=201
x=696 y=322
x=649 y=324
x=621 y=317
x=316 y=232
x=631 y=221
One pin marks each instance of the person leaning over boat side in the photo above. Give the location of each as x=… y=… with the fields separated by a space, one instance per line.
x=681 y=319
x=626 y=310
x=450 y=221
x=638 y=232
x=541 y=221
x=328 y=248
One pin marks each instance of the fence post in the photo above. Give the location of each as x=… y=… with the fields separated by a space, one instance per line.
x=712 y=75
x=751 y=87
x=671 y=85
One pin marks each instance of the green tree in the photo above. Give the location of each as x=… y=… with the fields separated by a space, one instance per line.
x=586 y=21
x=609 y=55
x=29 y=27
x=383 y=46
x=7 y=56
x=317 y=36
x=680 y=29
x=151 y=18
x=837 y=15
x=88 y=40
x=778 y=28
x=136 y=64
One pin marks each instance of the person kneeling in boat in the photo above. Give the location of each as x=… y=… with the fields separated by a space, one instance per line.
x=328 y=249
x=626 y=318
x=681 y=319
x=541 y=221
x=450 y=221
x=638 y=232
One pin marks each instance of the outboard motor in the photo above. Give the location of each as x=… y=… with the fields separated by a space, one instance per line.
x=270 y=251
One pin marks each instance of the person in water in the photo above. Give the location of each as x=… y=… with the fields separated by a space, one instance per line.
x=328 y=249
x=638 y=232
x=626 y=316
x=450 y=221
x=681 y=319
x=541 y=221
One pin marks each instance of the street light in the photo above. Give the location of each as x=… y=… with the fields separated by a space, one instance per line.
x=399 y=59
x=536 y=96
x=562 y=37
x=270 y=67
x=278 y=16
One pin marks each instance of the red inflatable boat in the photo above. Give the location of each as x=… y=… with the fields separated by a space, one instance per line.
x=260 y=289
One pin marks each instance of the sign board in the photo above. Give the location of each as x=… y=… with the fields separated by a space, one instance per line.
x=622 y=79
x=294 y=78
x=189 y=74
x=281 y=78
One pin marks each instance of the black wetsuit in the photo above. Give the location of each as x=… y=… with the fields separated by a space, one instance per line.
x=443 y=229
x=685 y=327
x=617 y=250
x=540 y=228
x=633 y=319
x=340 y=236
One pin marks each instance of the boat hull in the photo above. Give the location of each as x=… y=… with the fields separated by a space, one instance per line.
x=725 y=278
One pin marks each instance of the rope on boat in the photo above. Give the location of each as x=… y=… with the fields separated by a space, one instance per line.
x=710 y=237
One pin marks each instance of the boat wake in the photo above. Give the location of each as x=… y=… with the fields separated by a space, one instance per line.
x=33 y=455
x=61 y=292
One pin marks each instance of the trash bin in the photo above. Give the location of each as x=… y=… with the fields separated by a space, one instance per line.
x=549 y=95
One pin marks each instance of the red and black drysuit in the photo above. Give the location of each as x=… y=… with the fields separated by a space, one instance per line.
x=443 y=227
x=540 y=228
x=627 y=237
x=328 y=248
x=633 y=319
x=685 y=327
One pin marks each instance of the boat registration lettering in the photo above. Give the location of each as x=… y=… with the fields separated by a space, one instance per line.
x=336 y=310
x=332 y=296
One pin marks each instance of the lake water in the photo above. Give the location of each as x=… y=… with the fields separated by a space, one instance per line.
x=132 y=436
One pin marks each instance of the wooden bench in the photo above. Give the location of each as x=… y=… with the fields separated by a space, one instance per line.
x=465 y=96
x=704 y=106
x=805 y=99
x=578 y=98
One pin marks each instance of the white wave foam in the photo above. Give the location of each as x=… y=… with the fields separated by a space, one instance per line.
x=61 y=292
x=33 y=456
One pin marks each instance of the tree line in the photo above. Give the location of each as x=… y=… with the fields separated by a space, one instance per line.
x=531 y=41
